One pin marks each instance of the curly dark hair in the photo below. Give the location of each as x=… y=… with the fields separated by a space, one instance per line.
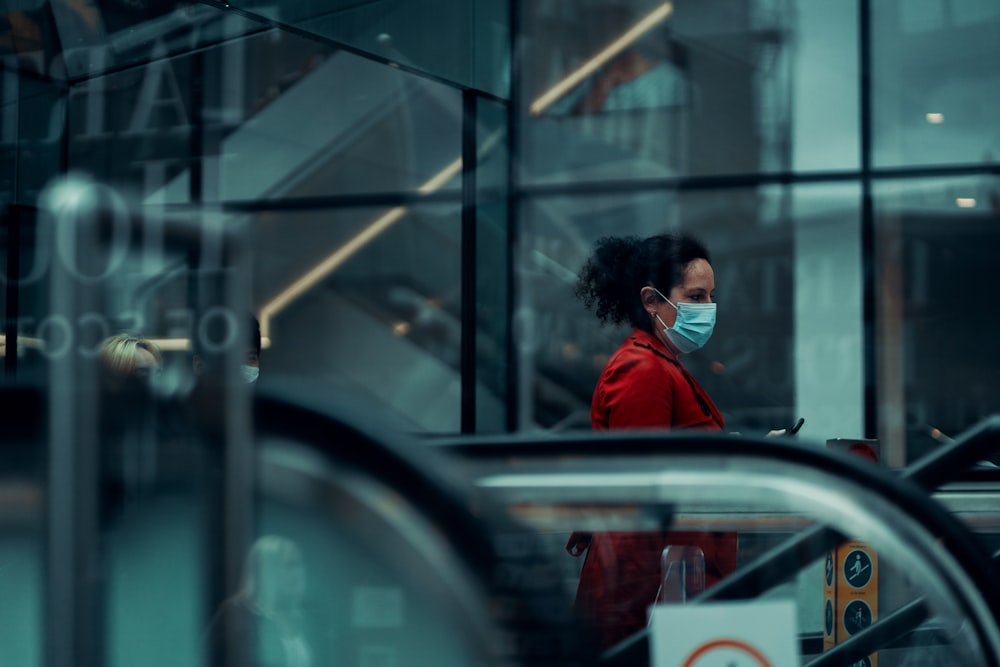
x=620 y=266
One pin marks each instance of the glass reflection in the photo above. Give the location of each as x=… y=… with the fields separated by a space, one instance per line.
x=758 y=87
x=377 y=302
x=934 y=78
x=936 y=271
x=462 y=42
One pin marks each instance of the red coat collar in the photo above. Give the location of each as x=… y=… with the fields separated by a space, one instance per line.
x=646 y=339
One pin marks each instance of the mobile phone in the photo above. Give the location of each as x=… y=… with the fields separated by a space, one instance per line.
x=795 y=429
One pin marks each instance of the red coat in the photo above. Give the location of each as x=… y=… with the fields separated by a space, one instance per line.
x=643 y=386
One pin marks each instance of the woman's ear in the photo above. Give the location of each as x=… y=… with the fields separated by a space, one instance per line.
x=649 y=298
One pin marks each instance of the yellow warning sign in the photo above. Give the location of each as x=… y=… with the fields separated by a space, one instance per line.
x=850 y=577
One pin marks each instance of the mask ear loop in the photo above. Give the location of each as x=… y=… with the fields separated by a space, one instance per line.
x=657 y=315
x=664 y=298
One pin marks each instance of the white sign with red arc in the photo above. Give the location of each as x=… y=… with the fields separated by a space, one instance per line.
x=754 y=634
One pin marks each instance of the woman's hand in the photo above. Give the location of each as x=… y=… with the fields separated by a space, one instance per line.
x=788 y=431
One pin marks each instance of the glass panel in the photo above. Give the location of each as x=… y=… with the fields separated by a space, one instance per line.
x=491 y=266
x=939 y=366
x=462 y=42
x=747 y=366
x=365 y=301
x=231 y=123
x=62 y=41
x=32 y=121
x=389 y=132
x=828 y=362
x=644 y=89
x=935 y=78
x=465 y=43
x=824 y=89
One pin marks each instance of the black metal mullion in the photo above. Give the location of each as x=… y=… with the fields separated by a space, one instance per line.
x=13 y=220
x=594 y=188
x=512 y=401
x=346 y=47
x=468 y=263
x=196 y=139
x=868 y=304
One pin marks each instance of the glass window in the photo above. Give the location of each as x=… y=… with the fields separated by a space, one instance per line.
x=935 y=80
x=825 y=113
x=223 y=124
x=659 y=90
x=747 y=366
x=936 y=271
x=366 y=301
x=31 y=130
x=463 y=42
x=829 y=343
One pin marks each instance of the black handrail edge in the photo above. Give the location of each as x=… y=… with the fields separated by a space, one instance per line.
x=930 y=472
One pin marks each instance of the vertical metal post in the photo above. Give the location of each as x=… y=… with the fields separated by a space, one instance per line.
x=468 y=262
x=225 y=431
x=513 y=213
x=868 y=292
x=13 y=218
x=240 y=454
x=74 y=610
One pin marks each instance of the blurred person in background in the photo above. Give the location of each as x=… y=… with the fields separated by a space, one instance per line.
x=266 y=617
x=127 y=356
x=129 y=367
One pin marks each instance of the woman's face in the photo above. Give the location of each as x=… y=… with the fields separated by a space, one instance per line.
x=697 y=286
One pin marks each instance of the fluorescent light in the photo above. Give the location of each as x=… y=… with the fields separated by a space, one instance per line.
x=935 y=118
x=966 y=202
x=22 y=342
x=630 y=36
x=171 y=344
x=177 y=344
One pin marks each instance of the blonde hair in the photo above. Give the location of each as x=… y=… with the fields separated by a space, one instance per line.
x=264 y=570
x=118 y=353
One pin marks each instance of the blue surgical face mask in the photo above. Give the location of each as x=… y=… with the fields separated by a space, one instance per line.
x=693 y=326
x=250 y=373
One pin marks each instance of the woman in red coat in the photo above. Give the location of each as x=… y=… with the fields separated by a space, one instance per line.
x=664 y=287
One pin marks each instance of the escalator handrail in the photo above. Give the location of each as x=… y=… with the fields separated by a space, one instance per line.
x=910 y=488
